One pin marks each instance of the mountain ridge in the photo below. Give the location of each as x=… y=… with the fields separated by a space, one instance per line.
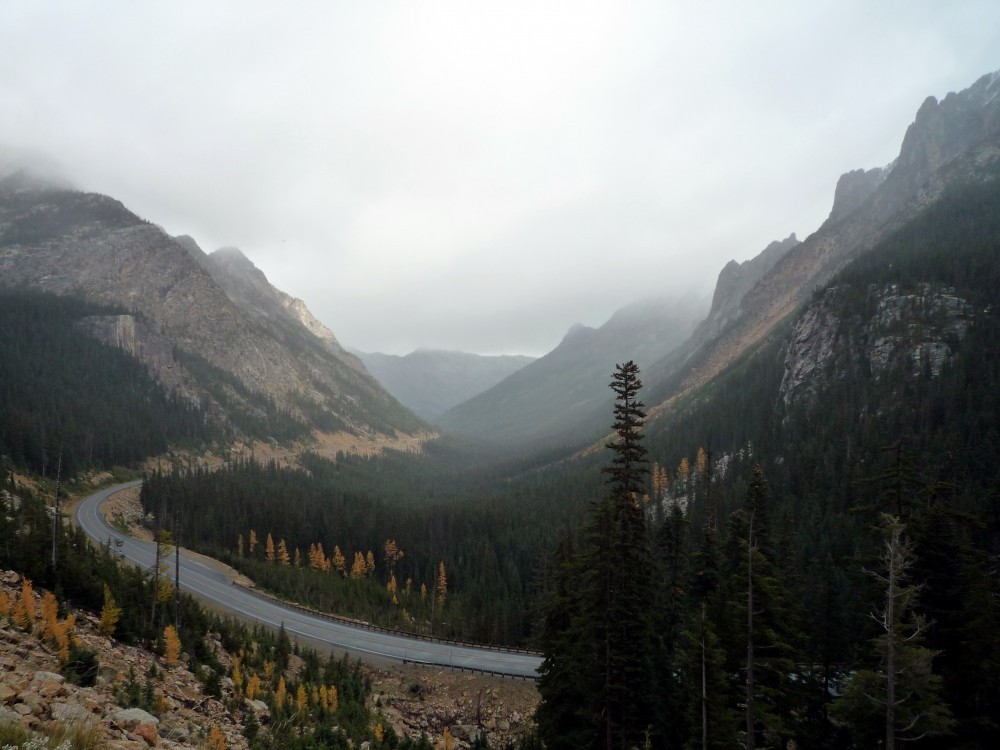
x=71 y=242
x=952 y=141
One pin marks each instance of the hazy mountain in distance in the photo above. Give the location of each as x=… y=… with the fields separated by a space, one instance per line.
x=563 y=395
x=431 y=381
x=245 y=351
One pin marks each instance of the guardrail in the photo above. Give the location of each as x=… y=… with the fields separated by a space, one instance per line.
x=377 y=628
x=472 y=670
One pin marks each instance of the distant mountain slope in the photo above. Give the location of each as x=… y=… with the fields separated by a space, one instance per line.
x=562 y=396
x=952 y=142
x=430 y=382
x=237 y=357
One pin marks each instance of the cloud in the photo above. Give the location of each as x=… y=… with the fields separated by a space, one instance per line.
x=479 y=176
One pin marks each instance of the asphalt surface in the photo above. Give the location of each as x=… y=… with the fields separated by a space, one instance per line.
x=213 y=587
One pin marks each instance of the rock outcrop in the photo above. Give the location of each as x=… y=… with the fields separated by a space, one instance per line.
x=909 y=331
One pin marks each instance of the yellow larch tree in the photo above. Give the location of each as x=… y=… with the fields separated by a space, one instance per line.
x=339 y=562
x=442 y=584
x=63 y=634
x=269 y=548
x=24 y=611
x=358 y=568
x=110 y=614
x=237 y=675
x=393 y=554
x=280 y=694
x=332 y=699
x=298 y=558
x=253 y=541
x=683 y=470
x=171 y=645
x=4 y=604
x=317 y=557
x=369 y=563
x=253 y=687
x=216 y=739
x=301 y=701
x=239 y=546
x=50 y=616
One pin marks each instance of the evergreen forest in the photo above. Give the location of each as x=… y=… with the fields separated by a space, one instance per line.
x=775 y=561
x=792 y=542
x=68 y=400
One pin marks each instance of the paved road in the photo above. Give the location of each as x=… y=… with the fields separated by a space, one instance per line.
x=212 y=586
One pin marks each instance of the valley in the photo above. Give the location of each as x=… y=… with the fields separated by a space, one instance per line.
x=781 y=518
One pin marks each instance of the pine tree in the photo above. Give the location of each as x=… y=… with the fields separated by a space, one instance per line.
x=904 y=691
x=564 y=683
x=613 y=622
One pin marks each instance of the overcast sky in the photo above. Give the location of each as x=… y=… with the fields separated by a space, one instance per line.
x=471 y=175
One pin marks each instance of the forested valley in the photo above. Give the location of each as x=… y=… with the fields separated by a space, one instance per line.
x=820 y=518
x=791 y=538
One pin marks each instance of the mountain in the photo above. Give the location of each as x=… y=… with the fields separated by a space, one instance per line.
x=430 y=382
x=951 y=142
x=233 y=343
x=565 y=393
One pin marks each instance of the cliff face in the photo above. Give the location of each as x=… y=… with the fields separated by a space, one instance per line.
x=79 y=243
x=911 y=332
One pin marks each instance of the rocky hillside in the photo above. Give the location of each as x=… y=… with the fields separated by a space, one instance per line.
x=565 y=394
x=951 y=142
x=430 y=382
x=238 y=344
x=36 y=696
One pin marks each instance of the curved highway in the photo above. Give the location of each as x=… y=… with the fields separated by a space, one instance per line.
x=212 y=586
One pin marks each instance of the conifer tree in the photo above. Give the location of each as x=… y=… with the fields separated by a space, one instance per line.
x=110 y=614
x=339 y=562
x=904 y=692
x=282 y=554
x=563 y=683
x=617 y=591
x=442 y=584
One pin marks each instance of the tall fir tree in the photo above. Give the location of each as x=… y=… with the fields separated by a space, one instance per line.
x=611 y=623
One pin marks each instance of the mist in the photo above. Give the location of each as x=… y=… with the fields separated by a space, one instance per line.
x=471 y=177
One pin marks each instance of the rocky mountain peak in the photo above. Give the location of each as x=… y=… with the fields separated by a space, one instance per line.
x=853 y=189
x=736 y=279
x=942 y=130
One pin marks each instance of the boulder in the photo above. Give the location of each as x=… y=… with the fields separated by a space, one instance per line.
x=70 y=712
x=130 y=718
x=148 y=734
